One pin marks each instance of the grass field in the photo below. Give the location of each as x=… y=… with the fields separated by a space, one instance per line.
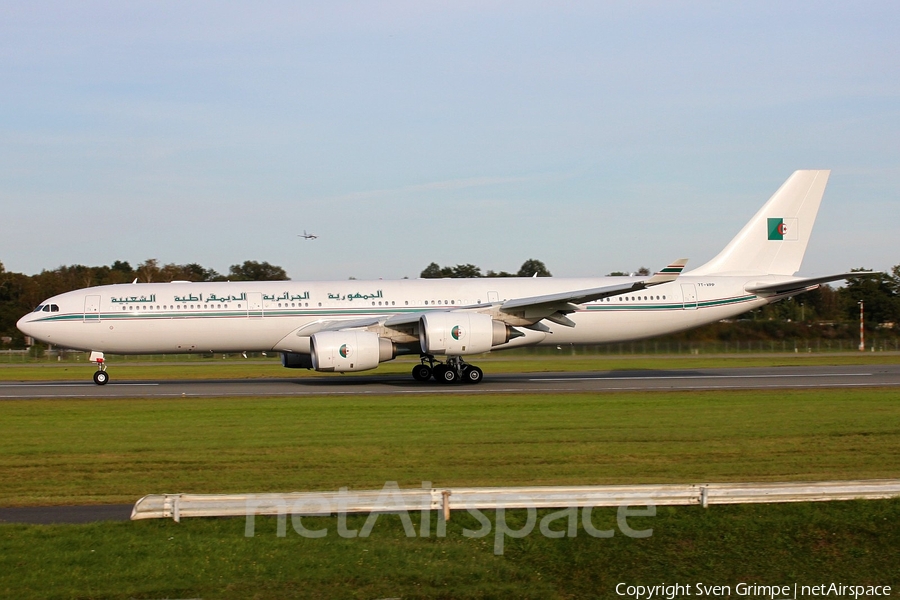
x=110 y=451
x=132 y=369
x=114 y=451
x=810 y=544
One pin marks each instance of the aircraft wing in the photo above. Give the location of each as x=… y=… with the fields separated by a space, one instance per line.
x=394 y=321
x=553 y=307
x=519 y=311
x=796 y=285
x=337 y=325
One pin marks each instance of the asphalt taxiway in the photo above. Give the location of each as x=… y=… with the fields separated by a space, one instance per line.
x=494 y=383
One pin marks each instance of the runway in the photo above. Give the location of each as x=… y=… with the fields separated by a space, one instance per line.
x=494 y=383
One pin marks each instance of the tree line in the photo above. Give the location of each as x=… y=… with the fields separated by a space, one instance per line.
x=21 y=293
x=825 y=313
x=530 y=268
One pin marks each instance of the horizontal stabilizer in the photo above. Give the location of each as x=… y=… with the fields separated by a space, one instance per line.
x=801 y=284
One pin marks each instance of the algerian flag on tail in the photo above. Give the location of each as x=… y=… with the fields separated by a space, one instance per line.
x=788 y=216
x=783 y=229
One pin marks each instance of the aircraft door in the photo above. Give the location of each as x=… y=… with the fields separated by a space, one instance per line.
x=689 y=295
x=92 y=309
x=493 y=297
x=254 y=305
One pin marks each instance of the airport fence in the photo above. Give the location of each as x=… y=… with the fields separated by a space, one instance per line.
x=709 y=347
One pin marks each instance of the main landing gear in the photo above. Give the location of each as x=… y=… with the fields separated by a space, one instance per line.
x=101 y=377
x=455 y=370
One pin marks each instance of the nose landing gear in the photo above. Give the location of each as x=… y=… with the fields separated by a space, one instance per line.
x=101 y=377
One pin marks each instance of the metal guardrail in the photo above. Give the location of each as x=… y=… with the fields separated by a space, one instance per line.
x=393 y=499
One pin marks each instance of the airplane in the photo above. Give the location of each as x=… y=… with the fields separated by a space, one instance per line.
x=347 y=326
x=307 y=236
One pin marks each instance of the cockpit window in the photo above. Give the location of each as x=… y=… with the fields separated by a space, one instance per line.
x=54 y=308
x=39 y=308
x=46 y=308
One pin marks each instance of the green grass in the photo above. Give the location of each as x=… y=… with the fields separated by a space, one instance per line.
x=111 y=451
x=132 y=369
x=842 y=542
x=114 y=451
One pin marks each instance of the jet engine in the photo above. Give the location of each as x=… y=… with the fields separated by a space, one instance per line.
x=352 y=350
x=457 y=333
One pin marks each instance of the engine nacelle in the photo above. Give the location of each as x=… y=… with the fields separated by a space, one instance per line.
x=343 y=351
x=459 y=332
x=293 y=360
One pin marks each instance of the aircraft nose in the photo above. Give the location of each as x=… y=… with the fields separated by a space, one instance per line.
x=25 y=325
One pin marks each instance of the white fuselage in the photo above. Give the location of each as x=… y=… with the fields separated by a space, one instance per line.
x=268 y=316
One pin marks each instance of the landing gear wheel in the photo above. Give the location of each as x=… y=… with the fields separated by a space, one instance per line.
x=473 y=374
x=438 y=372
x=421 y=372
x=448 y=375
x=100 y=377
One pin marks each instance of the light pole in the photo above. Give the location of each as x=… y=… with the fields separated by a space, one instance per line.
x=862 y=335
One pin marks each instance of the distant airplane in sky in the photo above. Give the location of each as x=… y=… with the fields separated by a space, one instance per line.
x=341 y=326
x=307 y=236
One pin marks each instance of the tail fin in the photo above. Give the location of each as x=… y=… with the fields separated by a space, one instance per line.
x=775 y=239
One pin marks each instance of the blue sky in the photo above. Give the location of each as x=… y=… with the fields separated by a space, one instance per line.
x=594 y=136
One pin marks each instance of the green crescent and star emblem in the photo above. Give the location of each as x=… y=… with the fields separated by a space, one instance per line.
x=456 y=332
x=344 y=351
